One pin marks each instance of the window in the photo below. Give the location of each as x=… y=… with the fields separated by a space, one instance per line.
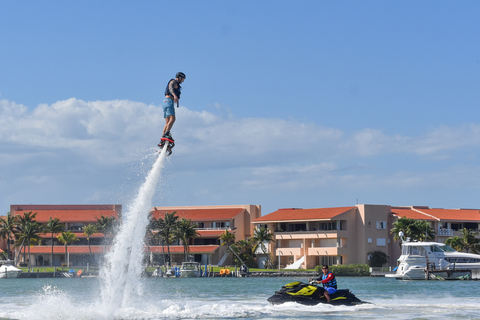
x=297 y=227
x=220 y=224
x=327 y=226
x=381 y=225
x=381 y=242
x=471 y=226
x=369 y=240
x=457 y=226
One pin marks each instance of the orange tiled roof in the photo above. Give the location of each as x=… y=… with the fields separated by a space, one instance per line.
x=201 y=214
x=191 y=249
x=411 y=214
x=454 y=214
x=438 y=214
x=294 y=214
x=87 y=216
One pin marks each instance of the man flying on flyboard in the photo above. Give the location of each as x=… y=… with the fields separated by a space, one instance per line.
x=172 y=95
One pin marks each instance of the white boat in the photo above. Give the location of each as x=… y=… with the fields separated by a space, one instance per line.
x=190 y=270
x=442 y=261
x=7 y=270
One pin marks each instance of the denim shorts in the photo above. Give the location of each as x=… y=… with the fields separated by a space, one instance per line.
x=168 y=108
x=331 y=290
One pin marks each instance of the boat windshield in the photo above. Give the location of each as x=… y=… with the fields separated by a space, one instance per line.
x=447 y=248
x=413 y=251
x=436 y=249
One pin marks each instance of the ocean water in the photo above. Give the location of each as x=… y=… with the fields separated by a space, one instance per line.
x=235 y=298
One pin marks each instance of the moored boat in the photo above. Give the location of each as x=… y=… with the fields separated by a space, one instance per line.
x=420 y=260
x=190 y=270
x=7 y=270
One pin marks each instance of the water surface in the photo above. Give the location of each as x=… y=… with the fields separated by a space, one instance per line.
x=236 y=298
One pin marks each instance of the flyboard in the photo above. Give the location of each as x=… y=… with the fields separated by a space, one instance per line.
x=169 y=143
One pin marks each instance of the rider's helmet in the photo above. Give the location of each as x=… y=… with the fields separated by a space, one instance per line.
x=180 y=74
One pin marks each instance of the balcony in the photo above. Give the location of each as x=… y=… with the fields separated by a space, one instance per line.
x=317 y=234
x=445 y=232
x=323 y=251
x=289 y=252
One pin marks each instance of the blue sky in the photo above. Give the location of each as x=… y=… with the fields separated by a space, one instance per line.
x=306 y=104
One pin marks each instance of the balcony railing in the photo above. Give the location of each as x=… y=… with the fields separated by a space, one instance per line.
x=306 y=231
x=445 y=232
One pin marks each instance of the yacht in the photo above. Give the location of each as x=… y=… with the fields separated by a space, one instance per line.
x=7 y=270
x=190 y=270
x=442 y=261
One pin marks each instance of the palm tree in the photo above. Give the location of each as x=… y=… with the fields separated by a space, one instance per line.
x=227 y=238
x=261 y=236
x=29 y=235
x=243 y=250
x=166 y=227
x=89 y=231
x=67 y=237
x=455 y=242
x=20 y=226
x=419 y=230
x=53 y=226
x=185 y=231
x=422 y=231
x=469 y=241
x=106 y=225
x=149 y=234
x=7 y=229
x=401 y=225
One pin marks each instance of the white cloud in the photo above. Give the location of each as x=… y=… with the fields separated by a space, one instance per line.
x=89 y=146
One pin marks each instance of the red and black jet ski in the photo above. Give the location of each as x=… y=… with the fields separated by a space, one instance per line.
x=310 y=294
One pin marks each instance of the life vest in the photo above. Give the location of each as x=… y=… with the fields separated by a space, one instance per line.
x=332 y=283
x=177 y=91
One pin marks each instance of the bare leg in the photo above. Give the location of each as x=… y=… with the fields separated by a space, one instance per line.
x=327 y=295
x=169 y=121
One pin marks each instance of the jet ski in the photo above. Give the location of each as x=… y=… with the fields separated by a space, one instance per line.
x=310 y=294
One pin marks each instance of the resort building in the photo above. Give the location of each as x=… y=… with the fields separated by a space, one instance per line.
x=211 y=222
x=74 y=218
x=305 y=238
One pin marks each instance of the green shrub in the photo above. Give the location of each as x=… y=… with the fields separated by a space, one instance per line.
x=356 y=270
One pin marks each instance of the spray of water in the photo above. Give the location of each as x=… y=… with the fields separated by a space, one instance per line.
x=123 y=263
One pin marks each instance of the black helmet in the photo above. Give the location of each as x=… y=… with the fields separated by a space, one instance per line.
x=180 y=74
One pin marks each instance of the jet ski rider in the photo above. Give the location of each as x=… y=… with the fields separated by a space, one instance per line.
x=329 y=282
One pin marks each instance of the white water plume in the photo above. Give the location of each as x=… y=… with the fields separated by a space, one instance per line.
x=123 y=263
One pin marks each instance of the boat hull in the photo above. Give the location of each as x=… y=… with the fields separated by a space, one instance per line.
x=9 y=272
